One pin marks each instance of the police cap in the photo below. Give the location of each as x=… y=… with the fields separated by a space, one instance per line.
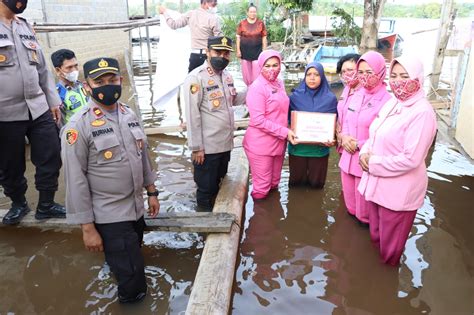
x=99 y=66
x=220 y=43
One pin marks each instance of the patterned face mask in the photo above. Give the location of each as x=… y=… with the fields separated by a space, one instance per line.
x=404 y=89
x=270 y=74
x=350 y=78
x=369 y=80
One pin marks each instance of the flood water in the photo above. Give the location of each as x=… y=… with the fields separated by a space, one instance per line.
x=300 y=252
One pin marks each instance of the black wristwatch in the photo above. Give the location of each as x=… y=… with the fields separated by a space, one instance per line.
x=153 y=193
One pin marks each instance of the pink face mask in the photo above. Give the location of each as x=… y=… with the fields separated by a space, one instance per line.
x=270 y=74
x=404 y=89
x=350 y=78
x=368 y=80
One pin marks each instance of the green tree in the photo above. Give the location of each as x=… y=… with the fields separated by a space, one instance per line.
x=302 y=5
x=344 y=26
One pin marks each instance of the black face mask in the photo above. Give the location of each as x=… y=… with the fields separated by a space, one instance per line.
x=219 y=63
x=16 y=6
x=107 y=95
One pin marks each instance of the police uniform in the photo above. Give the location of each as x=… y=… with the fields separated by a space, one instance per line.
x=106 y=168
x=27 y=94
x=209 y=97
x=73 y=97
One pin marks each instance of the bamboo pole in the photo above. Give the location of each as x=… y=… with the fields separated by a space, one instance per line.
x=66 y=27
x=447 y=19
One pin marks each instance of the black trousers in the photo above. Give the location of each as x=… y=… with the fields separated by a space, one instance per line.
x=45 y=154
x=122 y=242
x=195 y=60
x=208 y=177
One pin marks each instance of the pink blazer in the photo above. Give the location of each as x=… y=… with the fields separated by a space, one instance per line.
x=358 y=117
x=268 y=108
x=399 y=142
x=344 y=101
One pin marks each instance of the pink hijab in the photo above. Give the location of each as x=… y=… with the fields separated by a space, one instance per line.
x=267 y=54
x=377 y=62
x=414 y=68
x=262 y=58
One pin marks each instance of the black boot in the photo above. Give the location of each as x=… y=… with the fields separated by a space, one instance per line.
x=47 y=208
x=16 y=213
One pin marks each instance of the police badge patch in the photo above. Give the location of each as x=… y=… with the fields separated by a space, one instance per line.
x=194 y=88
x=71 y=136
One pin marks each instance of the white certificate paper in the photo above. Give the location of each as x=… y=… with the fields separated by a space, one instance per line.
x=313 y=127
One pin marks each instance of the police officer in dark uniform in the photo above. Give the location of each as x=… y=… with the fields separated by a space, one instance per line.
x=106 y=167
x=29 y=106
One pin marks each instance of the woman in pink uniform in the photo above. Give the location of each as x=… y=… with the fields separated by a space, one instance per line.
x=346 y=68
x=361 y=111
x=266 y=135
x=393 y=159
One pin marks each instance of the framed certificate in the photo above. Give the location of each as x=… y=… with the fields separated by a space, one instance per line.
x=312 y=127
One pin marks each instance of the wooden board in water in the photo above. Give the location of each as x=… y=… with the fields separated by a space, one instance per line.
x=194 y=222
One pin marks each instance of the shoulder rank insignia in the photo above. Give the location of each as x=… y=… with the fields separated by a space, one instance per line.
x=210 y=71
x=194 y=88
x=3 y=58
x=108 y=155
x=98 y=122
x=71 y=136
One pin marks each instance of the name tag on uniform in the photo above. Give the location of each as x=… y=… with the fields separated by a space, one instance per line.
x=210 y=88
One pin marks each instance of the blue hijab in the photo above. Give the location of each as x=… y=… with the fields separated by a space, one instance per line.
x=321 y=99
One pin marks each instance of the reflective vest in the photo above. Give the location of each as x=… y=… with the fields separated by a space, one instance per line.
x=73 y=98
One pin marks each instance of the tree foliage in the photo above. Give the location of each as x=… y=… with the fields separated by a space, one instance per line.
x=301 y=5
x=344 y=26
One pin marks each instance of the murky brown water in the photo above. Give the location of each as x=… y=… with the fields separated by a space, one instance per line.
x=300 y=253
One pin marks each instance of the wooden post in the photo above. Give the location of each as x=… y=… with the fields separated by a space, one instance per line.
x=212 y=289
x=447 y=19
x=148 y=46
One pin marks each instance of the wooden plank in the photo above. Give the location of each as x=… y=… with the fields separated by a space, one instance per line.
x=212 y=288
x=169 y=222
x=241 y=123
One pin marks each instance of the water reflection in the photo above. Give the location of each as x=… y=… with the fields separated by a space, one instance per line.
x=301 y=252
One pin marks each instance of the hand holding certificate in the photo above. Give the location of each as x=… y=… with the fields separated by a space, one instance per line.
x=312 y=127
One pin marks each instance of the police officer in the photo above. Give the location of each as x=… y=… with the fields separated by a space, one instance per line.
x=209 y=94
x=70 y=89
x=29 y=106
x=203 y=23
x=106 y=167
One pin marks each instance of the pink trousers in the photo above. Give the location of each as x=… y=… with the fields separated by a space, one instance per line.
x=389 y=231
x=355 y=202
x=250 y=70
x=266 y=173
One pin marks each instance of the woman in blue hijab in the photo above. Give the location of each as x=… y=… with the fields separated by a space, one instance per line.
x=309 y=162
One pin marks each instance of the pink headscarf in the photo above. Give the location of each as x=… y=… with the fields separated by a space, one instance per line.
x=377 y=62
x=262 y=58
x=267 y=54
x=414 y=68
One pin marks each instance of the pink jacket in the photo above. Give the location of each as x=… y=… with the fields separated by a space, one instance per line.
x=399 y=142
x=268 y=106
x=342 y=105
x=361 y=111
